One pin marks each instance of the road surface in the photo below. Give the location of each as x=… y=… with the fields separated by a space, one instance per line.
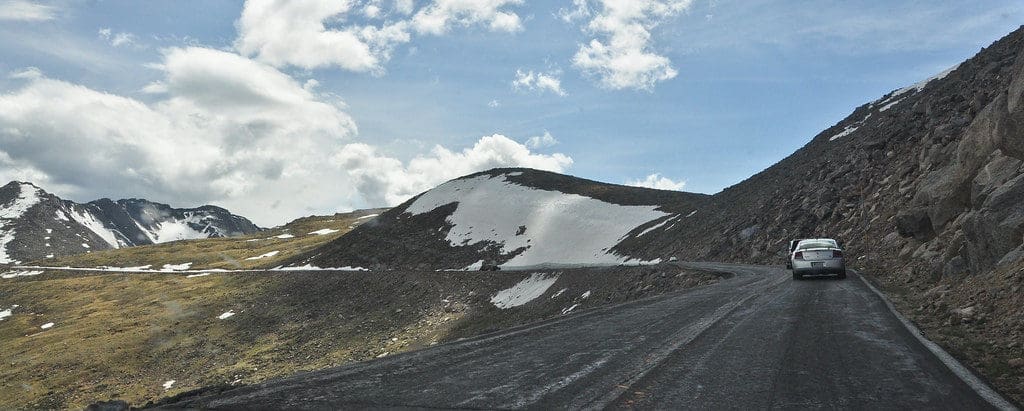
x=754 y=340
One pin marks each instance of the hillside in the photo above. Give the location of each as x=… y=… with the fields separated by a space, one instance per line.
x=138 y=337
x=37 y=225
x=264 y=249
x=511 y=218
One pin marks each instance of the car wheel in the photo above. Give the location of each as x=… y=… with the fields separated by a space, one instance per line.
x=842 y=275
x=797 y=276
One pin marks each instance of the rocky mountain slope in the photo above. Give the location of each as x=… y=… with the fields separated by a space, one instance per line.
x=37 y=225
x=927 y=177
x=508 y=217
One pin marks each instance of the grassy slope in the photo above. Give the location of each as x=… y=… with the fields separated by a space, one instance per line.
x=120 y=335
x=224 y=253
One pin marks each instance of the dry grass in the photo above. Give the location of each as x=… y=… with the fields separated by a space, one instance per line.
x=123 y=335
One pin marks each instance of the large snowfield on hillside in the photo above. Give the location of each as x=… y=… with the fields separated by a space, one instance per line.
x=554 y=227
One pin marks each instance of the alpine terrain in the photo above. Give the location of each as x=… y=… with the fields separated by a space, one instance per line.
x=36 y=225
x=923 y=186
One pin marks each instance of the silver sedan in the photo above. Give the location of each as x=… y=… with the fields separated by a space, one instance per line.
x=817 y=256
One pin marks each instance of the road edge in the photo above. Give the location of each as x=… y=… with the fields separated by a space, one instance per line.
x=966 y=375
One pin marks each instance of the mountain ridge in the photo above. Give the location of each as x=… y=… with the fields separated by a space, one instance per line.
x=35 y=224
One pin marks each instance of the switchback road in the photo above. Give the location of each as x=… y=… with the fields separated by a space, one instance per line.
x=754 y=340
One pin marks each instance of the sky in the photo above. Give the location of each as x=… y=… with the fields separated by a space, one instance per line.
x=282 y=109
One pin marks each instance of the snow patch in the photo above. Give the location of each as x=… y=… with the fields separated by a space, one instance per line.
x=26 y=273
x=559 y=293
x=176 y=267
x=46 y=326
x=226 y=315
x=475 y=266
x=89 y=221
x=585 y=295
x=692 y=213
x=568 y=310
x=7 y=313
x=561 y=228
x=324 y=231
x=367 y=216
x=169 y=384
x=892 y=100
x=654 y=227
x=197 y=275
x=285 y=236
x=525 y=291
x=261 y=256
x=310 y=267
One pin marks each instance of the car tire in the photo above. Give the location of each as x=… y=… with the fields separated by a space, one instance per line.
x=797 y=276
x=842 y=275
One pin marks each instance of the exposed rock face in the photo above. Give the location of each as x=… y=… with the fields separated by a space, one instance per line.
x=36 y=225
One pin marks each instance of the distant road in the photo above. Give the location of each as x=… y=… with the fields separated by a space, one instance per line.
x=755 y=340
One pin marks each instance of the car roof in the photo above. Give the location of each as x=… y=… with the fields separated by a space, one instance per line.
x=807 y=240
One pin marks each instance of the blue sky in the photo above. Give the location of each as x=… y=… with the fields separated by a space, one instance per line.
x=156 y=98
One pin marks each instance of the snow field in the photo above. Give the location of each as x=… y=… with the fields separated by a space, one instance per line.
x=550 y=226
x=525 y=291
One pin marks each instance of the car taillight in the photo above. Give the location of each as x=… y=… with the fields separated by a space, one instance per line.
x=799 y=255
x=837 y=254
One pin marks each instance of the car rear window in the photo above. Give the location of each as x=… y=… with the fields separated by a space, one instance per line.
x=815 y=244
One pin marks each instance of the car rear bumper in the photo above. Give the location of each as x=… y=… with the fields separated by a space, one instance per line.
x=833 y=266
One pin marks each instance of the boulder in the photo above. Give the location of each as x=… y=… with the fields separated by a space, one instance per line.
x=915 y=223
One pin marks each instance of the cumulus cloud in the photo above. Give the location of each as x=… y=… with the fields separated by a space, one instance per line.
x=315 y=34
x=385 y=180
x=293 y=32
x=541 y=141
x=24 y=10
x=441 y=15
x=222 y=129
x=528 y=80
x=620 y=56
x=657 y=181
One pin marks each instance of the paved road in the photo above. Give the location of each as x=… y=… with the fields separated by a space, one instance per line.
x=756 y=340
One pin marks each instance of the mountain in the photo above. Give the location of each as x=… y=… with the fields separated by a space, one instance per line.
x=35 y=224
x=512 y=217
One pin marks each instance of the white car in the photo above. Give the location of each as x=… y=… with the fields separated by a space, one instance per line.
x=817 y=256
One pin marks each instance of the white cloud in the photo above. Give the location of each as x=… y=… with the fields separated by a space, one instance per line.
x=541 y=141
x=315 y=34
x=226 y=130
x=385 y=180
x=23 y=10
x=621 y=56
x=657 y=181
x=117 y=39
x=494 y=104
x=528 y=80
x=441 y=15
x=293 y=32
